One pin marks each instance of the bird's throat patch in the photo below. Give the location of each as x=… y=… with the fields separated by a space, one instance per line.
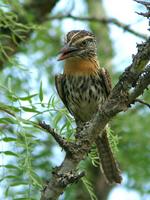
x=78 y=66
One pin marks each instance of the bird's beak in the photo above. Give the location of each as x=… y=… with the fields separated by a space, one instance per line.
x=66 y=52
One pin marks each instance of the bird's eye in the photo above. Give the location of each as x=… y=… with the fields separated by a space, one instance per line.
x=84 y=42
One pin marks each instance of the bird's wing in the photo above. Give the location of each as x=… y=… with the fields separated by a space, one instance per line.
x=59 y=86
x=106 y=79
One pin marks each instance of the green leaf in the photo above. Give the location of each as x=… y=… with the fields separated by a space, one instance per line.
x=13 y=108
x=63 y=127
x=57 y=118
x=113 y=140
x=53 y=101
x=9 y=109
x=41 y=92
x=9 y=166
x=89 y=188
x=12 y=97
x=8 y=139
x=17 y=183
x=7 y=191
x=27 y=109
x=93 y=155
x=8 y=120
x=9 y=153
x=8 y=177
x=24 y=198
x=36 y=179
x=27 y=98
x=50 y=101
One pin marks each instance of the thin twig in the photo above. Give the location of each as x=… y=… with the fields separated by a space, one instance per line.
x=59 y=139
x=102 y=20
x=145 y=3
x=142 y=102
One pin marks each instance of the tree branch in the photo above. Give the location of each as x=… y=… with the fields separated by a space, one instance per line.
x=142 y=102
x=60 y=140
x=39 y=10
x=147 y=5
x=102 y=20
x=142 y=84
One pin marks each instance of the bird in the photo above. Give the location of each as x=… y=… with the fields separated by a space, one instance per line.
x=83 y=87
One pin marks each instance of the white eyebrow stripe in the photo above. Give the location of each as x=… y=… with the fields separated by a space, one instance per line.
x=82 y=39
x=73 y=37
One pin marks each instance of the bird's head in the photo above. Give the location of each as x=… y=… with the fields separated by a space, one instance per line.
x=78 y=43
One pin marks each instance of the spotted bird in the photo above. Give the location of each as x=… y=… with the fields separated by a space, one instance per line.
x=83 y=87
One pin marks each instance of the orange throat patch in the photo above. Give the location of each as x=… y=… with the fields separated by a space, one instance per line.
x=78 y=66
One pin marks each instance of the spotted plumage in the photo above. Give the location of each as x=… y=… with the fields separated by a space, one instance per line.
x=83 y=87
x=81 y=93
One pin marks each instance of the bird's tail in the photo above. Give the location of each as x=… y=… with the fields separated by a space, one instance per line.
x=108 y=163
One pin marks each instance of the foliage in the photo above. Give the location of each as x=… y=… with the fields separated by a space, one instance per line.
x=89 y=187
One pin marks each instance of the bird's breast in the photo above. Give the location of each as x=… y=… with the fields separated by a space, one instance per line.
x=83 y=95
